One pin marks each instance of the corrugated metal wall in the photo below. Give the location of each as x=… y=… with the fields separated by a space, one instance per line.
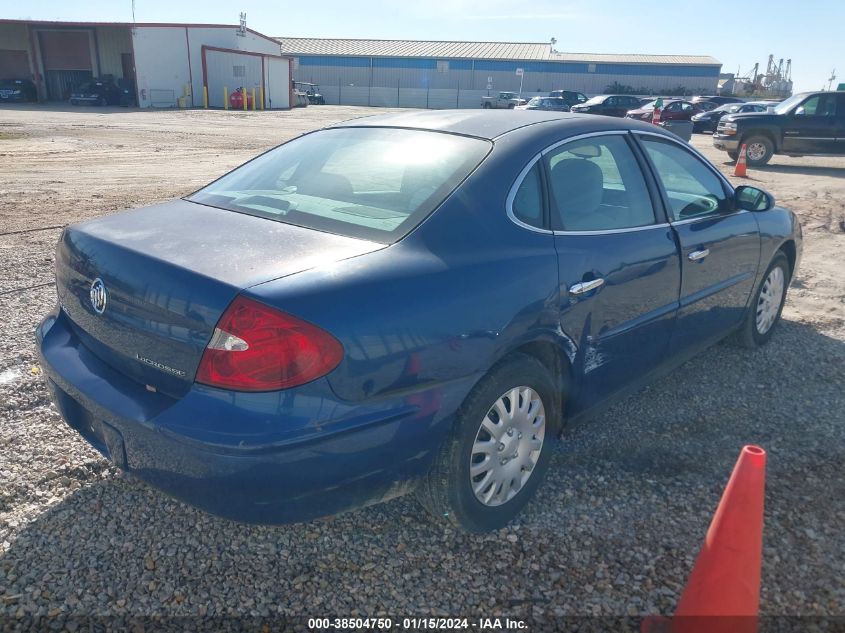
x=112 y=42
x=407 y=82
x=232 y=71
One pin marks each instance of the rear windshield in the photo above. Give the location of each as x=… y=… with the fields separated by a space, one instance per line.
x=371 y=183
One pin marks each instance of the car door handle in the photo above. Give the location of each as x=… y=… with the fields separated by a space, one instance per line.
x=586 y=286
x=697 y=255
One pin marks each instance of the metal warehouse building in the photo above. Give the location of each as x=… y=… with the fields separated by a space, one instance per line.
x=409 y=73
x=160 y=62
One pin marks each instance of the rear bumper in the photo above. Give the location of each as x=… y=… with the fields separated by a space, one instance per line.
x=725 y=143
x=262 y=458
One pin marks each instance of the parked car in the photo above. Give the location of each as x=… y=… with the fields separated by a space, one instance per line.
x=503 y=100
x=312 y=92
x=344 y=319
x=17 y=90
x=717 y=99
x=707 y=121
x=570 y=96
x=672 y=110
x=707 y=106
x=808 y=123
x=96 y=92
x=609 y=105
x=558 y=104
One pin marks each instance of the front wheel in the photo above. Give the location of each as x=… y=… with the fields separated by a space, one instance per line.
x=766 y=304
x=758 y=150
x=499 y=448
x=486 y=106
x=733 y=156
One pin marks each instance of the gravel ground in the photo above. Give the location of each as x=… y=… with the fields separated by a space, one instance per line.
x=613 y=532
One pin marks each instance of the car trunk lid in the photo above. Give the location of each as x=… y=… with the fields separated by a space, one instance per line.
x=168 y=273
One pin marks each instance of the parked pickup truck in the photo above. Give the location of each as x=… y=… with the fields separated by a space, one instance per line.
x=503 y=100
x=809 y=123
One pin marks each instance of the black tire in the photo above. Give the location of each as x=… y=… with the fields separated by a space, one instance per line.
x=769 y=150
x=446 y=492
x=486 y=105
x=733 y=156
x=511 y=106
x=749 y=335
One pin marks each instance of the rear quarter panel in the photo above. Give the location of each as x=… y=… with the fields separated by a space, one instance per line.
x=441 y=305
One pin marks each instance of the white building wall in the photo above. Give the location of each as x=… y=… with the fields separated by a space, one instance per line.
x=167 y=58
x=161 y=65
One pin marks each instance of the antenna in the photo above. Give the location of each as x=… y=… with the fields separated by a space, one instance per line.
x=242 y=28
x=831 y=79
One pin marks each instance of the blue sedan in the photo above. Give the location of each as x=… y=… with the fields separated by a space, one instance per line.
x=404 y=303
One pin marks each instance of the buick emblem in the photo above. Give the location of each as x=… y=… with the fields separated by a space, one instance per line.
x=98 y=295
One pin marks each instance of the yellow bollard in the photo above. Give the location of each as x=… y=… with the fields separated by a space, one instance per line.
x=243 y=94
x=205 y=97
x=225 y=98
x=254 y=105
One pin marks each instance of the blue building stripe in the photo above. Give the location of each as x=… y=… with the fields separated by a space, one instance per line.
x=491 y=65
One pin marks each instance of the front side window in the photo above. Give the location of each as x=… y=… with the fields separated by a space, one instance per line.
x=820 y=105
x=370 y=183
x=597 y=185
x=691 y=186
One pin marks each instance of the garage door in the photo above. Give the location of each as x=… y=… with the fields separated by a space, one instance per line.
x=67 y=60
x=14 y=65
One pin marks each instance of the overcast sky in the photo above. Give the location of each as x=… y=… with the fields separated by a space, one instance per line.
x=738 y=33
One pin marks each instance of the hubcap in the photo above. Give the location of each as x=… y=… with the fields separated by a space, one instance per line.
x=756 y=151
x=507 y=446
x=768 y=304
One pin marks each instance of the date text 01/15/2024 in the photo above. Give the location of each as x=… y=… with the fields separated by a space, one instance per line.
x=415 y=624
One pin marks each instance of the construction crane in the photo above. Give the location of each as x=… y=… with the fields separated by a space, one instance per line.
x=775 y=82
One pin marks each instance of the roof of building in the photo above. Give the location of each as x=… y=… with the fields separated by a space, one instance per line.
x=64 y=23
x=524 y=51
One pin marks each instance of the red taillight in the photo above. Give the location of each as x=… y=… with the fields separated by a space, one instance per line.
x=258 y=348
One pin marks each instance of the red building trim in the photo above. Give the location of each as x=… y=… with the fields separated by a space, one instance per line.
x=131 y=24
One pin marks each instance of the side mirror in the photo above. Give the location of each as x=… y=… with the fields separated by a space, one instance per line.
x=753 y=199
x=799 y=111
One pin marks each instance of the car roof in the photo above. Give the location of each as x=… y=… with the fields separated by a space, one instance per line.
x=491 y=124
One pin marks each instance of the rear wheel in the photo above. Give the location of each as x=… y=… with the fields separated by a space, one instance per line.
x=486 y=106
x=499 y=448
x=766 y=304
x=758 y=150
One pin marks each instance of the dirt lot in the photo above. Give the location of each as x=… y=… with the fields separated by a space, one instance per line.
x=613 y=533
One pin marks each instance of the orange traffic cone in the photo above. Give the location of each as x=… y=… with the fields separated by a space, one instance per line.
x=723 y=590
x=740 y=169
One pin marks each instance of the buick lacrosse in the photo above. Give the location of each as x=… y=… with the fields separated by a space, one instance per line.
x=404 y=303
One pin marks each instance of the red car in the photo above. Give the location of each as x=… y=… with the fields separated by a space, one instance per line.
x=673 y=109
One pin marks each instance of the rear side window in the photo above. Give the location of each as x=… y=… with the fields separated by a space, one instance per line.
x=597 y=185
x=691 y=186
x=370 y=183
x=527 y=202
